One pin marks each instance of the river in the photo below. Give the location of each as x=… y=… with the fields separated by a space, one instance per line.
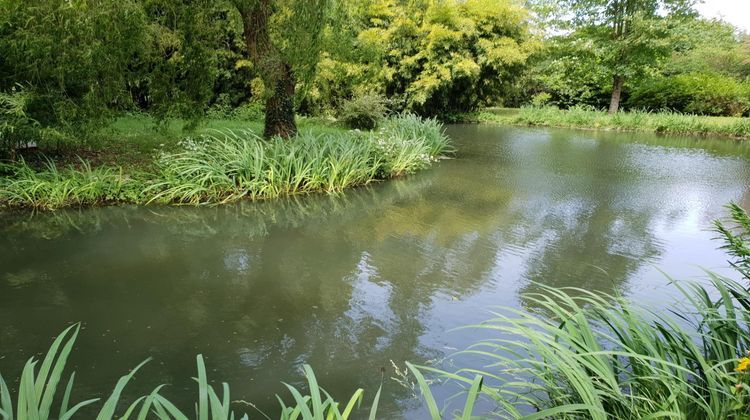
x=352 y=283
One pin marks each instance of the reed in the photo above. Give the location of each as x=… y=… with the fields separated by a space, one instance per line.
x=230 y=165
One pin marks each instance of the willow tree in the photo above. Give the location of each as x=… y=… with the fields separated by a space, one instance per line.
x=283 y=42
x=630 y=35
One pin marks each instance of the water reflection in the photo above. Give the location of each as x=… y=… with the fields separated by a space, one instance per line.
x=350 y=282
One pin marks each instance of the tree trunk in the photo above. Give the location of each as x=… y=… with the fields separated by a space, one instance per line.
x=276 y=74
x=280 y=107
x=614 y=103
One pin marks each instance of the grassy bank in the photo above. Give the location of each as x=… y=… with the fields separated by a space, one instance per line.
x=224 y=164
x=663 y=122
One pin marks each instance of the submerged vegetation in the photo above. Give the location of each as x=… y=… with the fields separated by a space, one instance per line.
x=230 y=165
x=590 y=118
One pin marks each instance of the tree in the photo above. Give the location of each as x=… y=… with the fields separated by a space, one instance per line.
x=283 y=42
x=430 y=57
x=71 y=57
x=631 y=34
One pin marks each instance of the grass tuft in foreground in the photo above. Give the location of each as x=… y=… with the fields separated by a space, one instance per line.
x=589 y=355
x=583 y=354
x=39 y=395
x=666 y=122
x=230 y=165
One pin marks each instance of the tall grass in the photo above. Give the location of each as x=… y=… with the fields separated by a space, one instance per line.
x=666 y=122
x=584 y=354
x=230 y=165
x=735 y=233
x=54 y=187
x=597 y=356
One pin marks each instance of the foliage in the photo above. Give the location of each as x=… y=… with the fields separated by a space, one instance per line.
x=600 y=357
x=39 y=390
x=73 y=58
x=695 y=93
x=54 y=187
x=587 y=117
x=572 y=72
x=588 y=354
x=430 y=57
x=16 y=127
x=230 y=165
x=624 y=38
x=363 y=112
x=673 y=51
x=736 y=237
x=709 y=46
x=190 y=58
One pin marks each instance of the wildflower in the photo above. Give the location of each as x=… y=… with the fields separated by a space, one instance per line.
x=743 y=365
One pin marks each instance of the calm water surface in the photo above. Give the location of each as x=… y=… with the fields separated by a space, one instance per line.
x=350 y=283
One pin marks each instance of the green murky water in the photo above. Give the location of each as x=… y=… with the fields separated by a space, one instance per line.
x=379 y=274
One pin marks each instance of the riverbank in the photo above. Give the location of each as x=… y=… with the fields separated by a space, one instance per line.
x=580 y=118
x=222 y=162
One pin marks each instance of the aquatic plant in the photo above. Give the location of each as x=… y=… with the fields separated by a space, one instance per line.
x=735 y=233
x=54 y=187
x=38 y=390
x=587 y=354
x=231 y=165
x=579 y=354
x=582 y=354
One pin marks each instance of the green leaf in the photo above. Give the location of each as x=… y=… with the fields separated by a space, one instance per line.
x=108 y=410
x=426 y=393
x=476 y=387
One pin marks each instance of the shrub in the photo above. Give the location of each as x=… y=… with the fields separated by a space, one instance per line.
x=16 y=128
x=251 y=111
x=696 y=93
x=363 y=112
x=541 y=99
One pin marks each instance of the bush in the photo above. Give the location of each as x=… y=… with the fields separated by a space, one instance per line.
x=16 y=128
x=251 y=111
x=695 y=93
x=540 y=99
x=363 y=112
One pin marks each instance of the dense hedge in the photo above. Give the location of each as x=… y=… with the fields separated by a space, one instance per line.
x=694 y=93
